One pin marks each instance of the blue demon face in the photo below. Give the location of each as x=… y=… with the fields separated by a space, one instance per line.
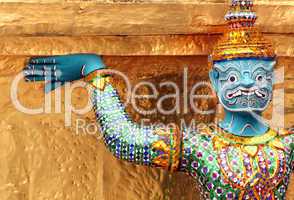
x=243 y=84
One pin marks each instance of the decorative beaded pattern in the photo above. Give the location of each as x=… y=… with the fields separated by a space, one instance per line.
x=127 y=141
x=229 y=171
x=226 y=166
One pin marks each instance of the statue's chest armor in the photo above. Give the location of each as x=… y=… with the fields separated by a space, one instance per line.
x=257 y=176
x=235 y=171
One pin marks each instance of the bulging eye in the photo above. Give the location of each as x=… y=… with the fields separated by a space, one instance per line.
x=233 y=78
x=260 y=78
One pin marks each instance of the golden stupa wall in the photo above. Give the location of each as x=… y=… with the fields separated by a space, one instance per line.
x=154 y=40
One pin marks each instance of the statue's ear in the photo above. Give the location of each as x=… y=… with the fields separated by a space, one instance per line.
x=273 y=63
x=214 y=75
x=269 y=64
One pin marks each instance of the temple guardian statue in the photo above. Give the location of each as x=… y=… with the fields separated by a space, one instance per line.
x=239 y=158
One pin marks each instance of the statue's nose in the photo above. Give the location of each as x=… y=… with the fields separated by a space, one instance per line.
x=247 y=81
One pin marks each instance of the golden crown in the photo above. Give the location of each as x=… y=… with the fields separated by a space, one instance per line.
x=241 y=38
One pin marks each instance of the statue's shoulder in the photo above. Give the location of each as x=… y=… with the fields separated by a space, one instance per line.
x=199 y=134
x=199 y=142
x=287 y=138
x=203 y=158
x=286 y=132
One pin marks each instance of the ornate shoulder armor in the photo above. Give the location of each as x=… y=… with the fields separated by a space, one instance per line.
x=234 y=167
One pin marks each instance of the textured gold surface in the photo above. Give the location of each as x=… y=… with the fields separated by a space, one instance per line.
x=43 y=160
x=143 y=17
x=129 y=45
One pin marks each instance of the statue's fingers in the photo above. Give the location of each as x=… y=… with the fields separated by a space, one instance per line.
x=33 y=78
x=44 y=67
x=48 y=71
x=44 y=60
x=33 y=72
x=40 y=75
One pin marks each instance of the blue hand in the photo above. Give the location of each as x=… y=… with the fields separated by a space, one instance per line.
x=56 y=70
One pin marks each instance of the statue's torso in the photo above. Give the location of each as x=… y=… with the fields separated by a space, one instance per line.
x=229 y=167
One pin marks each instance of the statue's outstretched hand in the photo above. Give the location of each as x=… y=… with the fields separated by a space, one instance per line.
x=56 y=70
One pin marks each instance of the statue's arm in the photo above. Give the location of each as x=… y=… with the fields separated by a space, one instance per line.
x=126 y=140
x=151 y=146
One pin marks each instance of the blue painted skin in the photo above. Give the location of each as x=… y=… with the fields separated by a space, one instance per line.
x=244 y=87
x=56 y=70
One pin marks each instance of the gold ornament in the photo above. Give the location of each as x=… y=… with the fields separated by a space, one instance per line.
x=241 y=39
